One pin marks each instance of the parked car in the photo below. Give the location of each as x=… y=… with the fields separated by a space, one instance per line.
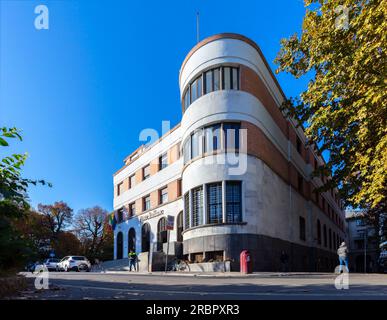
x=75 y=263
x=51 y=263
x=33 y=266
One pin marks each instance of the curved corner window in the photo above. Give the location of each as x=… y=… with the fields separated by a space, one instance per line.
x=221 y=78
x=219 y=136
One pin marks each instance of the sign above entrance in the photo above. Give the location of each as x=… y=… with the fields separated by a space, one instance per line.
x=170 y=222
x=151 y=215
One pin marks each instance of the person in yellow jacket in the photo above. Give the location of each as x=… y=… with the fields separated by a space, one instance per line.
x=132 y=260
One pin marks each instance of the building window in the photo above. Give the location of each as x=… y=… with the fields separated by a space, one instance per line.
x=145 y=237
x=330 y=238
x=302 y=228
x=187 y=150
x=233 y=201
x=186 y=211
x=214 y=202
x=146 y=172
x=179 y=188
x=212 y=138
x=318 y=231
x=299 y=145
x=161 y=233
x=132 y=181
x=197 y=206
x=146 y=203
x=119 y=188
x=163 y=195
x=197 y=143
x=325 y=236
x=334 y=239
x=187 y=99
x=120 y=214
x=163 y=161
x=230 y=78
x=132 y=209
x=209 y=81
x=300 y=183
x=231 y=135
x=209 y=84
x=179 y=227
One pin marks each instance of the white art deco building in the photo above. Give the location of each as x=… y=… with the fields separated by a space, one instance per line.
x=235 y=173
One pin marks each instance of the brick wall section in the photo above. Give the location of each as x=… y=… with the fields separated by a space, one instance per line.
x=261 y=147
x=154 y=198
x=173 y=190
x=251 y=83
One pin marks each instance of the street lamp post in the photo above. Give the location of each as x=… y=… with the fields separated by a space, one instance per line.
x=365 y=249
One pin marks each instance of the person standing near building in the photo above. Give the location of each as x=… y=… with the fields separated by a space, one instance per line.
x=132 y=260
x=342 y=252
x=284 y=261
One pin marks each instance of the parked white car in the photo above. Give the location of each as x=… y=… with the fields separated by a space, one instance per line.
x=51 y=264
x=76 y=263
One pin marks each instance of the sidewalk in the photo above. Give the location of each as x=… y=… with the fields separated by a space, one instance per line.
x=223 y=274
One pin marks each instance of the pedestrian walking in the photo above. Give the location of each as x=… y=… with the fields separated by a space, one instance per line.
x=284 y=261
x=342 y=252
x=132 y=260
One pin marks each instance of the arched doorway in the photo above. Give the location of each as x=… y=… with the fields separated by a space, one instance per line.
x=161 y=233
x=145 y=237
x=179 y=227
x=132 y=240
x=120 y=245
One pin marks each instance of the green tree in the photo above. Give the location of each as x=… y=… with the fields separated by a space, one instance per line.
x=344 y=108
x=14 y=206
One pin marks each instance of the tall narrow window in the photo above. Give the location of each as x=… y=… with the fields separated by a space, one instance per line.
x=318 y=231
x=226 y=78
x=330 y=238
x=231 y=135
x=300 y=183
x=187 y=99
x=187 y=150
x=146 y=203
x=146 y=172
x=200 y=87
x=163 y=161
x=163 y=195
x=186 y=211
x=132 y=209
x=302 y=228
x=197 y=143
x=209 y=87
x=299 y=145
x=194 y=91
x=214 y=202
x=235 y=78
x=212 y=138
x=216 y=76
x=132 y=181
x=197 y=206
x=233 y=201
x=119 y=188
x=325 y=236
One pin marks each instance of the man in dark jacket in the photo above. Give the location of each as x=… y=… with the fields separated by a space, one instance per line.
x=284 y=261
x=342 y=252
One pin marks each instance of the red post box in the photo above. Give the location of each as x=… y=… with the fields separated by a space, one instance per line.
x=245 y=261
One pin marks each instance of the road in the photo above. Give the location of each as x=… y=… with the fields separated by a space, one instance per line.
x=85 y=286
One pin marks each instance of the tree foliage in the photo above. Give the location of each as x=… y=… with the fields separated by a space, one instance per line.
x=344 y=108
x=56 y=216
x=91 y=227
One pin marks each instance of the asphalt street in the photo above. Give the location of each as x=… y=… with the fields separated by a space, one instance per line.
x=262 y=286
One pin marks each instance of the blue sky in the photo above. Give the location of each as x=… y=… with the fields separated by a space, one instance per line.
x=82 y=91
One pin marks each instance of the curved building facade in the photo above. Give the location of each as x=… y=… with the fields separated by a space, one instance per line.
x=241 y=170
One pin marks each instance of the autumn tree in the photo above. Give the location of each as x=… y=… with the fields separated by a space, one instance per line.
x=342 y=47
x=57 y=217
x=90 y=225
